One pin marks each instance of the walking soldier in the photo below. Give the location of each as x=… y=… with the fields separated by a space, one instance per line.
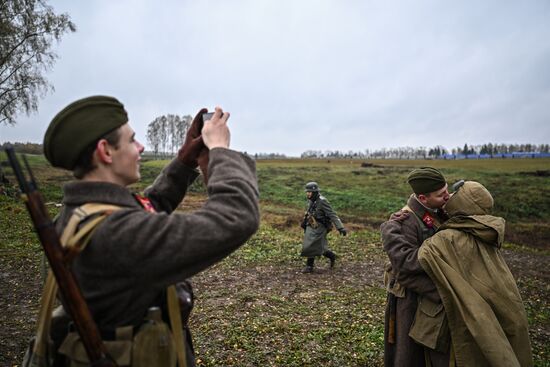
x=317 y=222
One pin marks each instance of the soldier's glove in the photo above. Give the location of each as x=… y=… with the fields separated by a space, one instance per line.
x=343 y=231
x=204 y=157
x=192 y=150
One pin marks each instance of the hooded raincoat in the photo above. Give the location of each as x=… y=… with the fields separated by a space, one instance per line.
x=485 y=313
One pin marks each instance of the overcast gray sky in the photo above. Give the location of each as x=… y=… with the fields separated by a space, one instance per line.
x=303 y=74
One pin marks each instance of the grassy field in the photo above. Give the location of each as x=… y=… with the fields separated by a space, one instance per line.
x=257 y=309
x=369 y=195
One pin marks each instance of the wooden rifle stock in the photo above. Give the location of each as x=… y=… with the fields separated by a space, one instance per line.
x=73 y=299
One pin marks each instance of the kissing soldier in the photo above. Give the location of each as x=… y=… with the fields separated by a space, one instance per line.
x=317 y=222
x=482 y=313
x=404 y=277
x=143 y=246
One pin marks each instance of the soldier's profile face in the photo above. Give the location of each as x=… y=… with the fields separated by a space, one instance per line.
x=126 y=157
x=309 y=194
x=436 y=199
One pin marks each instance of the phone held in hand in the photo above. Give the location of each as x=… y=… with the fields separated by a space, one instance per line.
x=207 y=116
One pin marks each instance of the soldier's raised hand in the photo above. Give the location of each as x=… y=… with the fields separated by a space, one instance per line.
x=343 y=231
x=215 y=132
x=193 y=144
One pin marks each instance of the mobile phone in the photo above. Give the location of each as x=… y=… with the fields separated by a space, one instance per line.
x=207 y=116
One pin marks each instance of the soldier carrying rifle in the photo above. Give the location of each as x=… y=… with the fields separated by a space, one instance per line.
x=142 y=247
x=317 y=222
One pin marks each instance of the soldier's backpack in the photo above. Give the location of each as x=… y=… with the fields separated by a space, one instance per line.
x=154 y=344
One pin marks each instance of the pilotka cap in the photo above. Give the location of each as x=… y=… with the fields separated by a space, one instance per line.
x=425 y=180
x=80 y=124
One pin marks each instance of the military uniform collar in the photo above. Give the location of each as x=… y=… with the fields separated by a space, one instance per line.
x=418 y=207
x=431 y=217
x=318 y=198
x=77 y=193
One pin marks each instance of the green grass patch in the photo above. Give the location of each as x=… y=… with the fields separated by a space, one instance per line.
x=375 y=192
x=255 y=308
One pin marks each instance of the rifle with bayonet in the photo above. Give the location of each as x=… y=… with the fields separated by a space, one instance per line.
x=68 y=287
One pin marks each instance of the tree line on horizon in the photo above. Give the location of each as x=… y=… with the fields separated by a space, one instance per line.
x=166 y=133
x=491 y=149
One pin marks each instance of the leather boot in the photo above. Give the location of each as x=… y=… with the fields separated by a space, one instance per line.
x=332 y=257
x=309 y=265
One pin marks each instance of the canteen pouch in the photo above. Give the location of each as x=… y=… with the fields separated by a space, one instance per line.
x=430 y=327
x=152 y=346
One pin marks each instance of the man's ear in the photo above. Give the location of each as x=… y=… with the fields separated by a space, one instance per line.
x=422 y=198
x=104 y=152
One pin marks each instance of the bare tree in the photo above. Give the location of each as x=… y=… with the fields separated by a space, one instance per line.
x=166 y=133
x=27 y=30
x=153 y=137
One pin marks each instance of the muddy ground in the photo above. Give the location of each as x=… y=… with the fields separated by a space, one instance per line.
x=20 y=286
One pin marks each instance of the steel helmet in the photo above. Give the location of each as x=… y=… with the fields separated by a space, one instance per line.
x=312 y=187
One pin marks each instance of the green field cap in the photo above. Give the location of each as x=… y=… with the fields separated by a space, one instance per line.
x=425 y=180
x=80 y=124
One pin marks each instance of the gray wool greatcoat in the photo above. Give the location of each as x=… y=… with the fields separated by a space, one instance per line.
x=402 y=239
x=315 y=239
x=134 y=254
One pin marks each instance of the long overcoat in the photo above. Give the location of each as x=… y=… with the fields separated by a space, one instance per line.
x=402 y=239
x=135 y=254
x=315 y=239
x=485 y=313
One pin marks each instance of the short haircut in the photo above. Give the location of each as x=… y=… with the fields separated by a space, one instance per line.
x=85 y=163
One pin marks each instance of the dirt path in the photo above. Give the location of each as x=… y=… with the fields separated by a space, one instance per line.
x=20 y=285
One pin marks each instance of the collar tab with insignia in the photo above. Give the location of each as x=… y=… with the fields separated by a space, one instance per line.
x=145 y=203
x=428 y=220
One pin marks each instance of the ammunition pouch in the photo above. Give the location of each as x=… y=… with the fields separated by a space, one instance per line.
x=73 y=349
x=315 y=222
x=312 y=222
x=153 y=345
